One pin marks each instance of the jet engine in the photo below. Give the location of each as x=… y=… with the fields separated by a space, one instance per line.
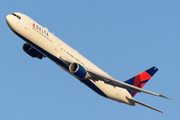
x=78 y=70
x=31 y=51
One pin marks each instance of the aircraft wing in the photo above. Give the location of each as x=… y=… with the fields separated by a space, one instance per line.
x=143 y=104
x=114 y=82
x=111 y=81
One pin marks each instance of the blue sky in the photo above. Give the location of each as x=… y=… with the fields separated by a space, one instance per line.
x=123 y=38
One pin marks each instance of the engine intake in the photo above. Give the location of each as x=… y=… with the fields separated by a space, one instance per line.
x=31 y=51
x=78 y=70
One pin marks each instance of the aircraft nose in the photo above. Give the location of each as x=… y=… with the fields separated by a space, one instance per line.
x=11 y=21
x=8 y=17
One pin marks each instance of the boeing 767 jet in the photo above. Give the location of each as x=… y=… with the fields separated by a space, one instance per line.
x=41 y=43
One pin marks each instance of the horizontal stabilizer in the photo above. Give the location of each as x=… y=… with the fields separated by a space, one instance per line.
x=135 y=101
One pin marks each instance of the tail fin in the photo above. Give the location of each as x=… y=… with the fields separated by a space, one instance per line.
x=141 y=79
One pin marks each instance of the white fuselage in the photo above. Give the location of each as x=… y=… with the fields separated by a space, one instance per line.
x=54 y=48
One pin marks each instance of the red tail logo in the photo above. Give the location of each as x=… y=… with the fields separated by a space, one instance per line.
x=141 y=79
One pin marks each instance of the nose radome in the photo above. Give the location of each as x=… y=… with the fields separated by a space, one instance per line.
x=10 y=21
x=7 y=18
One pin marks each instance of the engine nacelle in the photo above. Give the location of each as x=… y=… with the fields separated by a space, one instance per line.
x=31 y=51
x=78 y=70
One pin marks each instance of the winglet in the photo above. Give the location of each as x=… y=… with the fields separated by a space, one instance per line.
x=145 y=105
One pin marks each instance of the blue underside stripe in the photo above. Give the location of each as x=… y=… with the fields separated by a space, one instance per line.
x=59 y=62
x=93 y=87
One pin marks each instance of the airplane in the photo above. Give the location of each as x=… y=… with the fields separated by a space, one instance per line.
x=41 y=43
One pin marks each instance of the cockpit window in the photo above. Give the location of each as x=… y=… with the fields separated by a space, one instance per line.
x=16 y=15
x=13 y=14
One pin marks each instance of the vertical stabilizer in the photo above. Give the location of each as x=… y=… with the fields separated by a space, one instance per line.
x=141 y=79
